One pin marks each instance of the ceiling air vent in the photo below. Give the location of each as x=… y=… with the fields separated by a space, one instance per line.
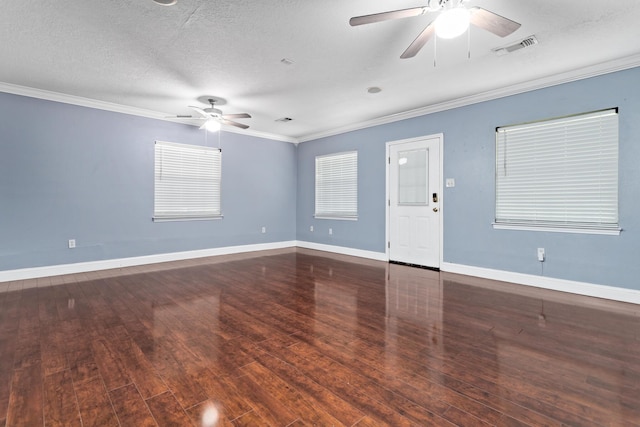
x=529 y=41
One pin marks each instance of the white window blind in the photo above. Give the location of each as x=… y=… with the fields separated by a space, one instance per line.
x=559 y=174
x=337 y=186
x=187 y=181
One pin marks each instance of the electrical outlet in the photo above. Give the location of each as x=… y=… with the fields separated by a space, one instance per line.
x=541 y=254
x=311 y=228
x=72 y=243
x=331 y=231
x=264 y=230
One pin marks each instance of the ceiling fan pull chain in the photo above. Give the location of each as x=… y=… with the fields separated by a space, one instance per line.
x=435 y=51
x=469 y=42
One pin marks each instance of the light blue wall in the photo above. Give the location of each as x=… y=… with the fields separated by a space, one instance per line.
x=468 y=210
x=74 y=172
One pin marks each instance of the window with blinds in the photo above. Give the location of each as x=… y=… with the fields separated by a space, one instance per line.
x=337 y=186
x=559 y=175
x=187 y=182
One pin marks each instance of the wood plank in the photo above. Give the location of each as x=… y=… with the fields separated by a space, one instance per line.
x=109 y=365
x=28 y=350
x=130 y=408
x=7 y=353
x=167 y=411
x=180 y=372
x=26 y=401
x=94 y=403
x=252 y=419
x=314 y=392
x=269 y=407
x=210 y=414
x=53 y=348
x=289 y=396
x=137 y=367
x=83 y=365
x=223 y=391
x=338 y=381
x=461 y=418
x=60 y=404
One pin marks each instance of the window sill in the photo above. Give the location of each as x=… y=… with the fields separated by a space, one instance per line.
x=339 y=218
x=552 y=229
x=185 y=218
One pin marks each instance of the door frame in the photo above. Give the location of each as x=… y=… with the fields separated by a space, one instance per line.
x=388 y=145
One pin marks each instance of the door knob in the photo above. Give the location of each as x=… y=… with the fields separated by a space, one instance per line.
x=435 y=209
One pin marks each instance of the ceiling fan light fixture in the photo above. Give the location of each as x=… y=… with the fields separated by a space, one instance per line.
x=452 y=23
x=212 y=125
x=166 y=2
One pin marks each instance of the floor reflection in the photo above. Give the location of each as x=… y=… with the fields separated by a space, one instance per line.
x=301 y=337
x=414 y=318
x=545 y=350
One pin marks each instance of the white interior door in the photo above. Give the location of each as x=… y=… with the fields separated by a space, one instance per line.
x=414 y=201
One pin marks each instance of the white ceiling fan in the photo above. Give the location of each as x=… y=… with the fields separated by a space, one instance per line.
x=214 y=117
x=453 y=19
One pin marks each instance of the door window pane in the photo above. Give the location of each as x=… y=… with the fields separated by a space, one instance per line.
x=413 y=177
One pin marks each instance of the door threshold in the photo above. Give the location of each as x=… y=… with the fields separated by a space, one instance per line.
x=408 y=264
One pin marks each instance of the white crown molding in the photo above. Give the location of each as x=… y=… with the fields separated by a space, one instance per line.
x=77 y=100
x=265 y=135
x=544 y=282
x=554 y=80
x=124 y=109
x=84 y=267
x=566 y=77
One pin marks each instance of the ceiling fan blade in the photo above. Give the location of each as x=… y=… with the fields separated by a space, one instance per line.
x=419 y=42
x=236 y=116
x=386 y=16
x=200 y=111
x=492 y=22
x=183 y=117
x=232 y=123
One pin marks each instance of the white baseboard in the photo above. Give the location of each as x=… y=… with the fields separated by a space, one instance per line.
x=579 y=288
x=378 y=256
x=84 y=267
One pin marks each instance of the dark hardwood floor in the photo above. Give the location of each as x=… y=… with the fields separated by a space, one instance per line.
x=297 y=337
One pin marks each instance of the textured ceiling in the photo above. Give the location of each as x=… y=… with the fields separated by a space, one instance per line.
x=139 y=54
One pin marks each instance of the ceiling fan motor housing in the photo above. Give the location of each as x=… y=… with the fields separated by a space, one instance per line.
x=214 y=111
